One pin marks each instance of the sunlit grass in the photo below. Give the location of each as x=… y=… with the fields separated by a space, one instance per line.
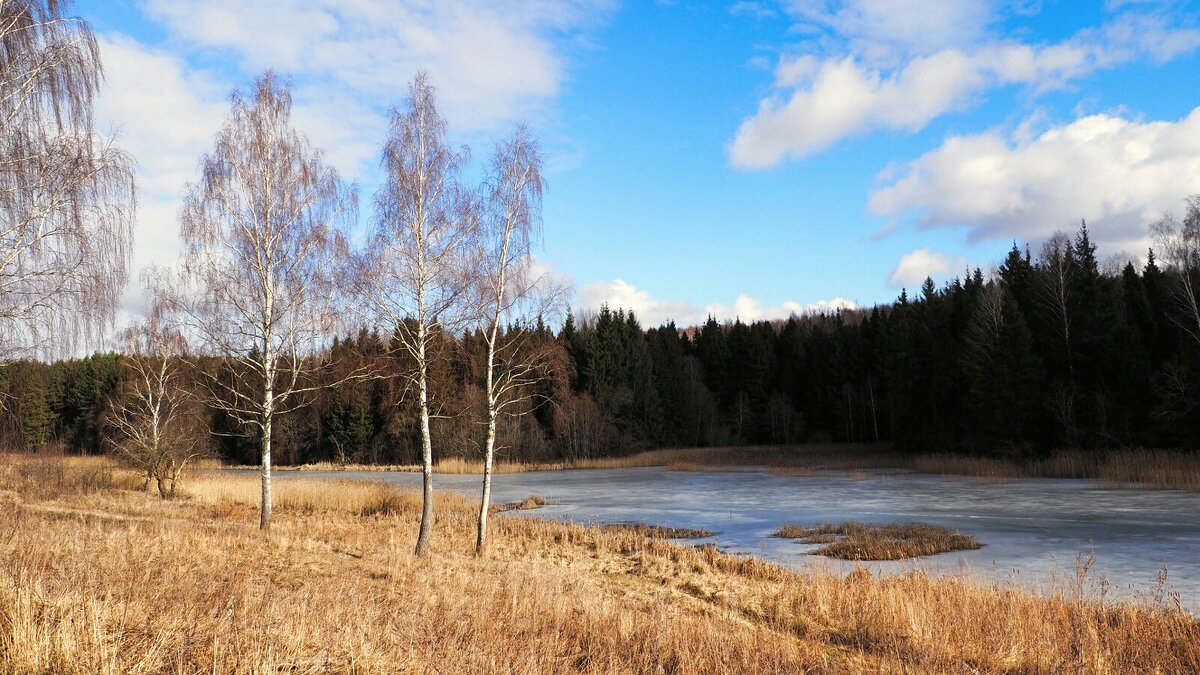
x=893 y=541
x=192 y=585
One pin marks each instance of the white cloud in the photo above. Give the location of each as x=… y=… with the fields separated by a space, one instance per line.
x=754 y=10
x=1116 y=173
x=165 y=115
x=618 y=293
x=817 y=102
x=829 y=306
x=922 y=263
x=492 y=62
x=650 y=311
x=886 y=30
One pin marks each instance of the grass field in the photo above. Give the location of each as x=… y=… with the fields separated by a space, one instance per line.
x=97 y=576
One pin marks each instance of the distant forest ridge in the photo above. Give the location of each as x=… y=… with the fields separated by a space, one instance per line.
x=1053 y=352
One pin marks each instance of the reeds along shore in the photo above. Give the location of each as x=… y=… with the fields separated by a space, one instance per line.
x=1153 y=468
x=96 y=576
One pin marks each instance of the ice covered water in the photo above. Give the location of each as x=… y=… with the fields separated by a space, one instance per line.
x=1033 y=530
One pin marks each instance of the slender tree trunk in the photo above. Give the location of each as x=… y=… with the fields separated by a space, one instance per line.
x=426 y=448
x=264 y=517
x=489 y=448
x=874 y=417
x=486 y=501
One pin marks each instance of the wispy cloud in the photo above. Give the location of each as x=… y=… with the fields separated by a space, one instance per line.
x=493 y=62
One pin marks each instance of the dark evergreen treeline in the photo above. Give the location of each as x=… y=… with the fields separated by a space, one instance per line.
x=1052 y=352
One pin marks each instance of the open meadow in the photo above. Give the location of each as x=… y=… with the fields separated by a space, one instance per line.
x=98 y=576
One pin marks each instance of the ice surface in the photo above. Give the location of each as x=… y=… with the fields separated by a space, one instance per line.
x=1033 y=530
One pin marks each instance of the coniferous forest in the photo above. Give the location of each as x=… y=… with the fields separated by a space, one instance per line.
x=1051 y=350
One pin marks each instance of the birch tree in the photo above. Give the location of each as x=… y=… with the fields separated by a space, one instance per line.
x=66 y=195
x=412 y=276
x=1179 y=245
x=154 y=423
x=263 y=231
x=1056 y=268
x=510 y=293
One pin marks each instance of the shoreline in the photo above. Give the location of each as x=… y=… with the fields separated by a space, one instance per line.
x=1149 y=468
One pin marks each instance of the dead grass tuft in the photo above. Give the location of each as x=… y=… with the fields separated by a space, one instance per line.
x=530 y=502
x=861 y=541
x=660 y=531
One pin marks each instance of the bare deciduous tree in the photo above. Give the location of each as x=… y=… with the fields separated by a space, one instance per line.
x=155 y=422
x=1179 y=247
x=263 y=231
x=66 y=195
x=509 y=292
x=413 y=274
x=1056 y=267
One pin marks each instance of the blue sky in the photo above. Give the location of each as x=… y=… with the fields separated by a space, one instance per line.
x=744 y=159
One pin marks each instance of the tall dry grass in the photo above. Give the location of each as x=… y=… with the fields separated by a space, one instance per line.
x=1154 y=468
x=865 y=541
x=193 y=586
x=1157 y=468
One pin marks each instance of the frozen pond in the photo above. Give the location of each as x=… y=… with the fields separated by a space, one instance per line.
x=1033 y=530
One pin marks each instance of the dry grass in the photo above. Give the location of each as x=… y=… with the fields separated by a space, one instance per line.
x=861 y=541
x=110 y=580
x=527 y=504
x=1155 y=468
x=660 y=531
x=42 y=476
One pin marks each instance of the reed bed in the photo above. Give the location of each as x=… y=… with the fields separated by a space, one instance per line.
x=183 y=587
x=893 y=541
x=528 y=504
x=1171 y=469
x=661 y=531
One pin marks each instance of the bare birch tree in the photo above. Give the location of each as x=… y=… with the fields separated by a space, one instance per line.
x=413 y=273
x=155 y=422
x=1056 y=268
x=263 y=231
x=66 y=195
x=510 y=294
x=1179 y=247
x=1054 y=290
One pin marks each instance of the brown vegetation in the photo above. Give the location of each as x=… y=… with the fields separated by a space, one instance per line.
x=527 y=504
x=103 y=579
x=1154 y=468
x=862 y=541
x=661 y=531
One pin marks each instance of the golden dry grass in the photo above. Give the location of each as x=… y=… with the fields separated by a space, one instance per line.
x=1154 y=468
x=660 y=531
x=116 y=581
x=893 y=541
x=527 y=504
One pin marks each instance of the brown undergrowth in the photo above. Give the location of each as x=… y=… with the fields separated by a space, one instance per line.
x=893 y=541
x=1155 y=468
x=112 y=580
